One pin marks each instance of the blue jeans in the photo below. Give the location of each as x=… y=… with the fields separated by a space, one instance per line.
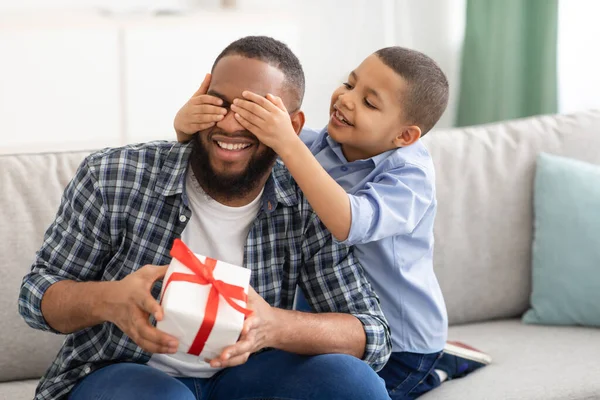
x=272 y=374
x=406 y=375
x=409 y=375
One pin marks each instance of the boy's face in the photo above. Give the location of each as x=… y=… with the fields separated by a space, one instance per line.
x=366 y=115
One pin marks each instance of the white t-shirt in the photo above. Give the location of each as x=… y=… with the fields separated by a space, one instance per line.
x=217 y=231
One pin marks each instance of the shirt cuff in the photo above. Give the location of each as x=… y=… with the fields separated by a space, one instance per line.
x=361 y=221
x=379 y=343
x=30 y=301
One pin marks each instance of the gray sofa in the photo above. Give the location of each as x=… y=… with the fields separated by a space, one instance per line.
x=483 y=240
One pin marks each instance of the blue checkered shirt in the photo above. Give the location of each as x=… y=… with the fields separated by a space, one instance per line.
x=123 y=210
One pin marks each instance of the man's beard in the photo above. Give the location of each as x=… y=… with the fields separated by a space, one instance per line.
x=224 y=185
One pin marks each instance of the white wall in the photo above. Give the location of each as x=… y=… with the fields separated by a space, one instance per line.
x=578 y=55
x=155 y=63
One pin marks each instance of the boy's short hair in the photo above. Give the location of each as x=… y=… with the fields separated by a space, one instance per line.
x=274 y=53
x=427 y=94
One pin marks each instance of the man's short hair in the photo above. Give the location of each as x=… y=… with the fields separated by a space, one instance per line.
x=426 y=97
x=276 y=54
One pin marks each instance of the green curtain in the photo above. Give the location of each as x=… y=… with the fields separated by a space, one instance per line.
x=509 y=60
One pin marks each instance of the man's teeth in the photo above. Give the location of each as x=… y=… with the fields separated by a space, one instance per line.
x=233 y=146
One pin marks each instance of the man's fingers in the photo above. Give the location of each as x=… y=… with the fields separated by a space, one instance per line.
x=148 y=337
x=154 y=272
x=153 y=347
x=149 y=305
x=206 y=99
x=248 y=323
x=261 y=101
x=235 y=361
x=161 y=339
x=204 y=86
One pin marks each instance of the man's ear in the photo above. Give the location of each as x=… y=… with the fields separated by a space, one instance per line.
x=298 y=120
x=407 y=136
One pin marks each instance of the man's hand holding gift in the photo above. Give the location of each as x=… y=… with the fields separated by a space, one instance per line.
x=130 y=304
x=257 y=333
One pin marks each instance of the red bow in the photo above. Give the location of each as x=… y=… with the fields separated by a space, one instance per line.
x=203 y=275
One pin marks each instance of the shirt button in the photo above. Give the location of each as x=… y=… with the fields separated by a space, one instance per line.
x=87 y=370
x=344 y=169
x=182 y=218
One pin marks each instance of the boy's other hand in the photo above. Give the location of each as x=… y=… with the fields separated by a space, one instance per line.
x=202 y=111
x=267 y=118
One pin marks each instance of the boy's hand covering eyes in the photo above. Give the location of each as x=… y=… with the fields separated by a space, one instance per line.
x=202 y=111
x=267 y=118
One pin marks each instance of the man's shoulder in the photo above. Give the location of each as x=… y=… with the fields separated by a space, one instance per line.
x=155 y=166
x=286 y=188
x=144 y=152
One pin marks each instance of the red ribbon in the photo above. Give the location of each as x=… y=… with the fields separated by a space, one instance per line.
x=203 y=275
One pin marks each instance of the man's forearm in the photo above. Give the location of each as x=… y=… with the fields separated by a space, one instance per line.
x=318 y=333
x=69 y=306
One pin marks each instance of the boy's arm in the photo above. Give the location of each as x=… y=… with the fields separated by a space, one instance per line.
x=394 y=203
x=327 y=198
x=268 y=119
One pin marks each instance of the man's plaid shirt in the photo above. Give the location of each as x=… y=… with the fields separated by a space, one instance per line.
x=123 y=210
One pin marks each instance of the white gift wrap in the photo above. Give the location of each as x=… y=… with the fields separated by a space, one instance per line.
x=184 y=304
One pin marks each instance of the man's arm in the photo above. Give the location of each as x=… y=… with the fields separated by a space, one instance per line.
x=334 y=282
x=318 y=333
x=62 y=293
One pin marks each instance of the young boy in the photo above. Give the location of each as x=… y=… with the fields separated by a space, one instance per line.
x=371 y=181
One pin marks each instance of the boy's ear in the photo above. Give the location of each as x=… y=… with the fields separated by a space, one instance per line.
x=407 y=136
x=298 y=120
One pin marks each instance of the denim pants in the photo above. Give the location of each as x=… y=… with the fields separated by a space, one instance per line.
x=406 y=375
x=271 y=374
x=409 y=375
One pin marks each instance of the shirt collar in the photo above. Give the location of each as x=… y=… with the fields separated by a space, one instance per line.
x=280 y=189
x=337 y=149
x=171 y=180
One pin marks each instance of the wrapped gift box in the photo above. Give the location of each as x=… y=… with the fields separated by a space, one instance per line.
x=204 y=322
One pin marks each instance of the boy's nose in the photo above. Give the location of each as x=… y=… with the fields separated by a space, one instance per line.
x=347 y=101
x=229 y=124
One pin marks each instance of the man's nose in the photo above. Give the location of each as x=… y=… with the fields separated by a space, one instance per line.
x=229 y=124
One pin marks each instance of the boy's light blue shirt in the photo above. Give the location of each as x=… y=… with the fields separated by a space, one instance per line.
x=392 y=198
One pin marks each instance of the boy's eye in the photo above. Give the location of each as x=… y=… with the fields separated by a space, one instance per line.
x=348 y=86
x=369 y=104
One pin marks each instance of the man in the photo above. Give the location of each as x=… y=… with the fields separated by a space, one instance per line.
x=99 y=263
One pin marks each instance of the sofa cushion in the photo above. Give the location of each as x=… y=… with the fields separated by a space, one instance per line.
x=18 y=390
x=483 y=227
x=566 y=255
x=31 y=189
x=529 y=362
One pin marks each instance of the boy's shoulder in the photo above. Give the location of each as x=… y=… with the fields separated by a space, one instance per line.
x=415 y=155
